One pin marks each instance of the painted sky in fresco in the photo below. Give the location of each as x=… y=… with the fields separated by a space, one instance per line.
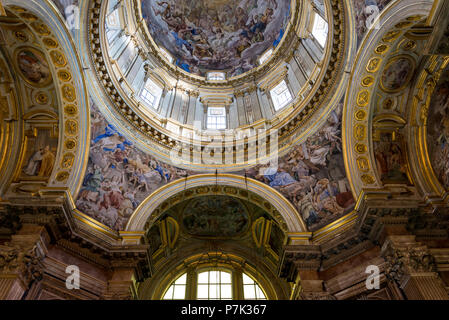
x=225 y=35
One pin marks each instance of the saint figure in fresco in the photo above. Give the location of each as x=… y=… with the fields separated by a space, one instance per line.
x=34 y=163
x=47 y=163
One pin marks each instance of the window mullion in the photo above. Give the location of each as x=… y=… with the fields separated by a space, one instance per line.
x=192 y=283
x=237 y=285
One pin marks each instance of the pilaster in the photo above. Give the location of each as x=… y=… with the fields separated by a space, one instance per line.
x=21 y=261
x=412 y=267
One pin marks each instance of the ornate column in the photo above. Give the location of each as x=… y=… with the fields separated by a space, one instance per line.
x=411 y=266
x=21 y=261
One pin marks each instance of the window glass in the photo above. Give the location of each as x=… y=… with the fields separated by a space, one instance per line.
x=216 y=118
x=177 y=290
x=113 y=20
x=281 y=95
x=216 y=76
x=320 y=29
x=251 y=290
x=265 y=56
x=214 y=285
x=151 y=94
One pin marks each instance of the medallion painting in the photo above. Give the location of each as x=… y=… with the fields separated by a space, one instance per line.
x=397 y=74
x=33 y=67
x=222 y=35
x=438 y=130
x=215 y=216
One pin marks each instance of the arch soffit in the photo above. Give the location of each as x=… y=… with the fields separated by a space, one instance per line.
x=69 y=81
x=375 y=51
x=288 y=213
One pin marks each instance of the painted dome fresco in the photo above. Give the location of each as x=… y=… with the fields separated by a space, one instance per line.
x=216 y=35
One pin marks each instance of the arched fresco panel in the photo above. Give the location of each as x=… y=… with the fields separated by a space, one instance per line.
x=438 y=130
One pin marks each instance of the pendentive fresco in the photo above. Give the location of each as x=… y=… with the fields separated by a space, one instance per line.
x=120 y=176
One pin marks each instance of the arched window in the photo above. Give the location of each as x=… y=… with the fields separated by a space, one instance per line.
x=214 y=284
x=177 y=291
x=251 y=289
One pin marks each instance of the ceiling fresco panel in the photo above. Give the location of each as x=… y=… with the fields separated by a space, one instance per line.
x=216 y=35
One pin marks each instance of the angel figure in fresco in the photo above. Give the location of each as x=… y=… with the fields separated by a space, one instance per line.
x=92 y=181
x=241 y=18
x=277 y=178
x=318 y=154
x=323 y=198
x=243 y=43
x=165 y=11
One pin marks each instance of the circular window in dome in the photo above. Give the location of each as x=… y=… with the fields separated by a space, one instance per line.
x=216 y=35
